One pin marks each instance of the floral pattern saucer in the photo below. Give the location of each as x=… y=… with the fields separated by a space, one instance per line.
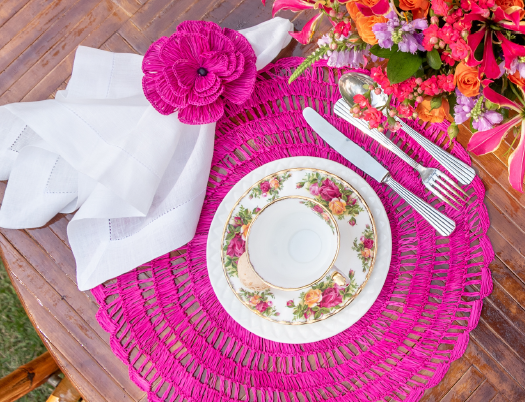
x=354 y=264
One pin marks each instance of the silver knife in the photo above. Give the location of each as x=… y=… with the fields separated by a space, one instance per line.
x=361 y=159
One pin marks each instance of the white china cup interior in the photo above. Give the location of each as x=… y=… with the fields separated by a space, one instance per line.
x=290 y=246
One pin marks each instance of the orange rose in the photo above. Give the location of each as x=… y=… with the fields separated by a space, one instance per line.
x=274 y=183
x=435 y=115
x=254 y=300
x=419 y=8
x=517 y=79
x=325 y=216
x=467 y=79
x=244 y=231
x=337 y=206
x=505 y=4
x=364 y=27
x=351 y=6
x=312 y=297
x=366 y=253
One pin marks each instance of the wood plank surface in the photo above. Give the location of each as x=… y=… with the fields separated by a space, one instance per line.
x=38 y=39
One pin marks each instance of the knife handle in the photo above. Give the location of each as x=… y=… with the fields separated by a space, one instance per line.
x=444 y=225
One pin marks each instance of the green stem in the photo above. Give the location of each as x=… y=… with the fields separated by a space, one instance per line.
x=312 y=58
x=517 y=94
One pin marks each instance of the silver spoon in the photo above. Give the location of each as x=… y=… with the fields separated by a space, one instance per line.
x=351 y=84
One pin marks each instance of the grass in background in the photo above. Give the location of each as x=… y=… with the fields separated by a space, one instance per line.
x=19 y=342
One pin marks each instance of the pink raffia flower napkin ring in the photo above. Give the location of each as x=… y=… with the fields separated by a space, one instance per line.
x=196 y=68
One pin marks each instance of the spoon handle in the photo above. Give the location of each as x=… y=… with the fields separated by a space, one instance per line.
x=460 y=170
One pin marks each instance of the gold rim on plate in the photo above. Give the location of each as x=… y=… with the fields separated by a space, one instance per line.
x=357 y=292
x=287 y=197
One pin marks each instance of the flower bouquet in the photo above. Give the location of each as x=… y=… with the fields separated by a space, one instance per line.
x=461 y=60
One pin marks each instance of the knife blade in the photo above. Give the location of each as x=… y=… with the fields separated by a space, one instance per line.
x=361 y=159
x=345 y=146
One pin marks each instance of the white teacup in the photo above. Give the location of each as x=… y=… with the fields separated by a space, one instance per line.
x=292 y=243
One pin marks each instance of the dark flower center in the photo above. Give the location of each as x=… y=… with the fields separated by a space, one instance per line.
x=202 y=72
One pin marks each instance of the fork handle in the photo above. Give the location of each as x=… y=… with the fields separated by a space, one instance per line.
x=342 y=111
x=460 y=170
x=443 y=225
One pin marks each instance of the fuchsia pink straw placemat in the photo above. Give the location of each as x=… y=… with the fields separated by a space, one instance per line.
x=167 y=325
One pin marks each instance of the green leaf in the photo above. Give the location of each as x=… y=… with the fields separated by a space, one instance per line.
x=317 y=315
x=312 y=58
x=436 y=102
x=378 y=51
x=452 y=101
x=433 y=59
x=402 y=66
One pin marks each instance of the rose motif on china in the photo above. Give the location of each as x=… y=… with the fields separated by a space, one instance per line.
x=265 y=187
x=337 y=206
x=196 y=69
x=329 y=190
x=331 y=298
x=236 y=248
x=312 y=297
x=274 y=183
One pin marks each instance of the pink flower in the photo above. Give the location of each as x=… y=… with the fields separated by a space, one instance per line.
x=236 y=247
x=373 y=116
x=405 y=110
x=308 y=313
x=331 y=298
x=460 y=50
x=343 y=28
x=351 y=273
x=314 y=189
x=446 y=58
x=448 y=34
x=440 y=7
x=196 y=68
x=430 y=37
x=318 y=209
x=352 y=221
x=329 y=190
x=265 y=187
x=290 y=303
x=361 y=100
x=261 y=307
x=368 y=243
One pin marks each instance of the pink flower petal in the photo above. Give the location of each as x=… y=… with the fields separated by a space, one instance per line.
x=489 y=65
x=306 y=34
x=172 y=81
x=207 y=97
x=186 y=72
x=150 y=91
x=191 y=46
x=203 y=84
x=484 y=142
x=202 y=114
x=473 y=42
x=217 y=62
x=499 y=99
x=380 y=8
x=166 y=93
x=239 y=91
x=169 y=52
x=511 y=50
x=151 y=64
x=517 y=163
x=239 y=68
x=218 y=42
x=292 y=5
x=241 y=44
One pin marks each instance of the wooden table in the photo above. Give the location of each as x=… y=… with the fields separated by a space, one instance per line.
x=38 y=39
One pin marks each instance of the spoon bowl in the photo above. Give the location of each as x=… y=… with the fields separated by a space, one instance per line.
x=351 y=84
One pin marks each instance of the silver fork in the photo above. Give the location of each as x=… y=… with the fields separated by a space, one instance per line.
x=433 y=179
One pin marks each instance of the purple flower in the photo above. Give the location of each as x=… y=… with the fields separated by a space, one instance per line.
x=516 y=65
x=487 y=120
x=197 y=67
x=345 y=58
x=463 y=107
x=401 y=32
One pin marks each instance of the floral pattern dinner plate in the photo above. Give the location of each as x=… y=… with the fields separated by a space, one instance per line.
x=354 y=263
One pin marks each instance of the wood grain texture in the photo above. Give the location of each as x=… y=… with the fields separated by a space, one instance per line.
x=38 y=39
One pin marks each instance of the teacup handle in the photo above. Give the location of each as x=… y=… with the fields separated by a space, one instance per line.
x=338 y=278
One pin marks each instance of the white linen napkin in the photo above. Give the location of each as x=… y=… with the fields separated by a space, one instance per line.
x=137 y=178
